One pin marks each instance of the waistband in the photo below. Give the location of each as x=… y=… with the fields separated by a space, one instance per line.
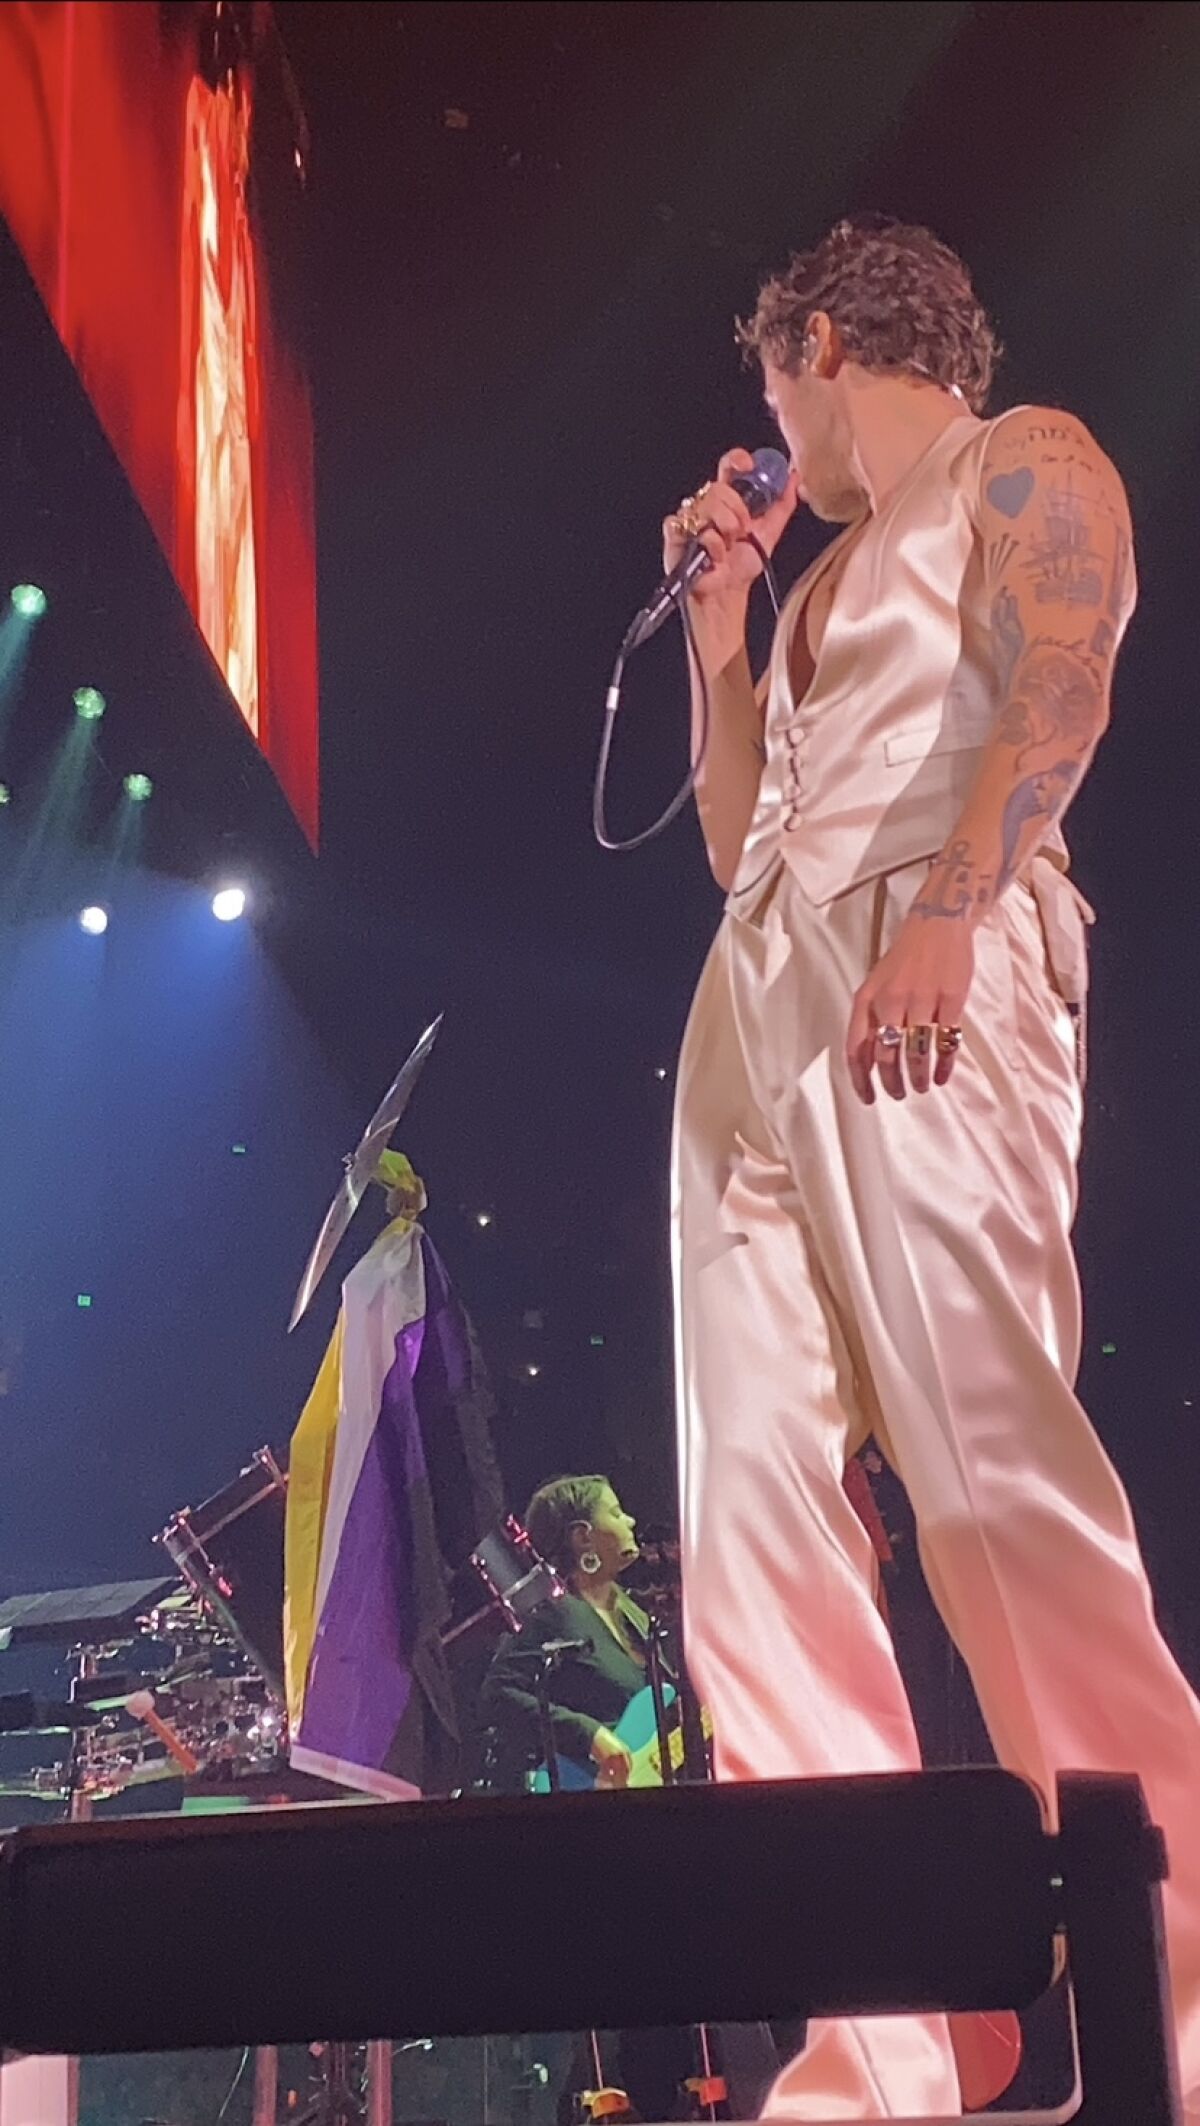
x=1064 y=914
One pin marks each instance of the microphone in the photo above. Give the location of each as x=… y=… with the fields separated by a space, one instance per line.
x=549 y=1650
x=758 y=489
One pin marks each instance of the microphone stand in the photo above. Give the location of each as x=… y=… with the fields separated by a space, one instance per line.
x=657 y=1678
x=695 y=1748
x=547 y=1662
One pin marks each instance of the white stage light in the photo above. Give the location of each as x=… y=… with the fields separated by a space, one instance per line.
x=94 y=921
x=229 y=903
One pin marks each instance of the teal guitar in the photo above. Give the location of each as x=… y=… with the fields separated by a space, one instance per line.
x=637 y=1729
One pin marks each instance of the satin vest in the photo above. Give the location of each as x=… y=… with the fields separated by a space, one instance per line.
x=871 y=770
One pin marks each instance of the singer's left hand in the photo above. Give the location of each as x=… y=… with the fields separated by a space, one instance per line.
x=922 y=980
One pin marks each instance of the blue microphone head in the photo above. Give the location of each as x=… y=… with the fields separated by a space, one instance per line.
x=758 y=489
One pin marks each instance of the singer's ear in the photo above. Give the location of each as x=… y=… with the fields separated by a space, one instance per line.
x=823 y=351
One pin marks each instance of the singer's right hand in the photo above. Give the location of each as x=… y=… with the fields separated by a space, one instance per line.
x=726 y=520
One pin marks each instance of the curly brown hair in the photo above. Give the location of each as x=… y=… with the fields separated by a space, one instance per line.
x=901 y=299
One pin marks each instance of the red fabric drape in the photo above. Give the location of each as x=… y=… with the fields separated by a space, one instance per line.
x=93 y=174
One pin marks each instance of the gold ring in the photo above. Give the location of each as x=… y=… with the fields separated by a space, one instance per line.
x=685 y=523
x=919 y=1040
x=949 y=1040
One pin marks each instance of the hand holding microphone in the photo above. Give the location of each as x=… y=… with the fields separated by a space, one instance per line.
x=715 y=546
x=711 y=542
x=756 y=494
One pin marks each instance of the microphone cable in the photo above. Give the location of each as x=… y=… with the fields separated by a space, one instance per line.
x=612 y=706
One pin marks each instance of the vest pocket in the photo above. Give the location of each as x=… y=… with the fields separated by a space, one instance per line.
x=922 y=740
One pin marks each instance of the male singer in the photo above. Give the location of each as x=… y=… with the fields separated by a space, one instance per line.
x=880 y=1094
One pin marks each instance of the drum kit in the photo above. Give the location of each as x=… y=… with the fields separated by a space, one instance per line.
x=177 y=1678
x=181 y=1679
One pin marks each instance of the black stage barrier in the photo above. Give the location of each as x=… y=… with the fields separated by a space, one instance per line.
x=729 y=1904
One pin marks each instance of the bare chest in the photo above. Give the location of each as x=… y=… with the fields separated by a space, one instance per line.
x=809 y=624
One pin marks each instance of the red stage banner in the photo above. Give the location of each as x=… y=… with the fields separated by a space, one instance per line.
x=132 y=178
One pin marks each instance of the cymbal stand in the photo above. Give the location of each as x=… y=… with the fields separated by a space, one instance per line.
x=79 y=1810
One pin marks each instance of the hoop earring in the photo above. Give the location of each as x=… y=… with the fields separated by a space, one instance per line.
x=589 y=1562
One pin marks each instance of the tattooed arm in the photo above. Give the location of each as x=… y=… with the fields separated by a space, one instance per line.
x=1056 y=540
x=1055 y=532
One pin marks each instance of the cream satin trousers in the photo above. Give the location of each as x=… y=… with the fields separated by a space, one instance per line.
x=905 y=1269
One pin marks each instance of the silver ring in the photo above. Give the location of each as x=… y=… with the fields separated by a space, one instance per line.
x=889 y=1037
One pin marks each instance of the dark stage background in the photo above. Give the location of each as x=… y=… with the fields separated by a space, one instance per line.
x=527 y=230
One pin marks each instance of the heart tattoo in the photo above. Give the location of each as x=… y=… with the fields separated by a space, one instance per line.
x=1010 y=491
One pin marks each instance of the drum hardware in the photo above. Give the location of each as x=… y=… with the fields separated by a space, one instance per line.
x=222 y=1726
x=23 y=1714
x=229 y=1553
x=516 y=1579
x=354 y=2085
x=72 y=1615
x=172 y=1682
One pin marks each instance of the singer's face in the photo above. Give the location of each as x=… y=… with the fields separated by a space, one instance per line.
x=807 y=412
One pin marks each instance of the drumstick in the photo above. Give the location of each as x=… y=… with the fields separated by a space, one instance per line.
x=141 y=1705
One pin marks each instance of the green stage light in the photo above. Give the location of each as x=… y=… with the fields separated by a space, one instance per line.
x=89 y=704
x=139 y=788
x=5 y=794
x=28 y=600
x=83 y=1299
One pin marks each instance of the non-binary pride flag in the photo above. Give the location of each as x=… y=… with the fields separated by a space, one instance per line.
x=369 y=1697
